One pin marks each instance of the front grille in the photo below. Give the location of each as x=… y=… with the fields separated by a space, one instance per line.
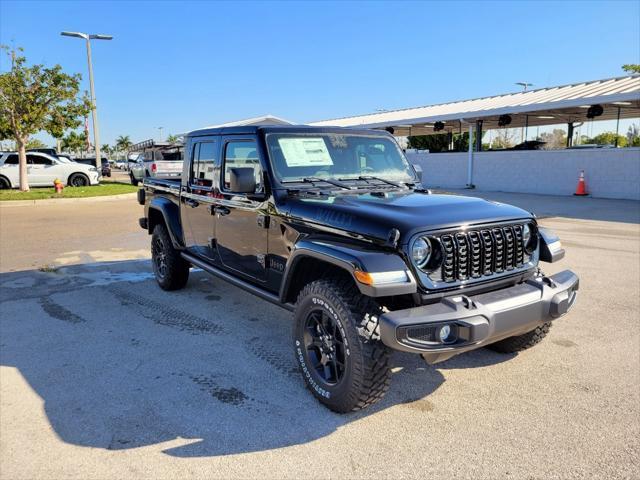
x=478 y=253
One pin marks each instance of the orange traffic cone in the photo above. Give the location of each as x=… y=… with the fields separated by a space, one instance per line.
x=581 y=189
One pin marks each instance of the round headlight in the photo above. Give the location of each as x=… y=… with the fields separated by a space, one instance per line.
x=526 y=234
x=421 y=252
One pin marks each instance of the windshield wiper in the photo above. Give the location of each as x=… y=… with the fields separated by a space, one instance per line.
x=366 y=178
x=317 y=180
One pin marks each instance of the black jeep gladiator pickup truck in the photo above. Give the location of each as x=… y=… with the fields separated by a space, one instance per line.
x=334 y=225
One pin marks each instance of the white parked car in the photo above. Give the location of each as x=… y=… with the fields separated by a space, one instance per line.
x=43 y=169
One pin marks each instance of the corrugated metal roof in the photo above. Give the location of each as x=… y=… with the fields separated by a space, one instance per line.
x=564 y=100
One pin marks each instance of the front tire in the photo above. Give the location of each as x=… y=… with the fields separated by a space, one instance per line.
x=170 y=269
x=78 y=180
x=521 y=342
x=4 y=183
x=134 y=182
x=337 y=346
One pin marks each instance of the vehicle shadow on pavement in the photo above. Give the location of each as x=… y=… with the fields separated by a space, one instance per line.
x=120 y=364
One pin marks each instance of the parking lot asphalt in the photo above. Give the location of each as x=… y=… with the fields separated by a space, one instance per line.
x=103 y=375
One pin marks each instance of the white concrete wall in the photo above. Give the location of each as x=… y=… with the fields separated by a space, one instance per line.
x=609 y=173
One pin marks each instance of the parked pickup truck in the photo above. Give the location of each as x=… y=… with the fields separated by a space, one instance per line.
x=155 y=159
x=334 y=225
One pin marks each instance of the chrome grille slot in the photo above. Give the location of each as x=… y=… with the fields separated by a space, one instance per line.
x=487 y=243
x=448 y=260
x=510 y=251
x=463 y=256
x=475 y=244
x=498 y=237
x=480 y=253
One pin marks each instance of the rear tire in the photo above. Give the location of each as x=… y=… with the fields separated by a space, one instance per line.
x=170 y=269
x=133 y=180
x=337 y=346
x=78 y=180
x=521 y=342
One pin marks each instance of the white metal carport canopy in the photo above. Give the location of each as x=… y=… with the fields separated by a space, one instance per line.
x=545 y=106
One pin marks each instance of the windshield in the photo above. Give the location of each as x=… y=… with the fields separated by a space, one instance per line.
x=336 y=156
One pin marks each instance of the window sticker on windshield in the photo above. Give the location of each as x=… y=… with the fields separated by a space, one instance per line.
x=305 y=152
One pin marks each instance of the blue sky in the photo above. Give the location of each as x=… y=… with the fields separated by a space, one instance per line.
x=184 y=65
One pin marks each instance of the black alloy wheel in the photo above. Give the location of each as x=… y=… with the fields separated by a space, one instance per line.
x=325 y=346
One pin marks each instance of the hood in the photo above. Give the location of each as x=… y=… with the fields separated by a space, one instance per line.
x=374 y=216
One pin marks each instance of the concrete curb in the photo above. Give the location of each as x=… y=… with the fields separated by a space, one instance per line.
x=54 y=201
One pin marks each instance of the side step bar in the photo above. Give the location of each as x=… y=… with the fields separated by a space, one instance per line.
x=257 y=291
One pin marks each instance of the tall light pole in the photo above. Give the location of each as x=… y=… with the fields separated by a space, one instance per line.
x=160 y=128
x=94 y=111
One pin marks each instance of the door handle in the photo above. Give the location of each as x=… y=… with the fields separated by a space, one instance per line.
x=191 y=203
x=221 y=210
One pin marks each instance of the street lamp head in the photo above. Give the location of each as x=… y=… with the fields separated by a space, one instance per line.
x=101 y=37
x=75 y=34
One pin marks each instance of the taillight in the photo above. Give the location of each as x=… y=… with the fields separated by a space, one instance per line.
x=154 y=167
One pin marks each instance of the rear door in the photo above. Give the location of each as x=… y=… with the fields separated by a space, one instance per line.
x=197 y=198
x=241 y=223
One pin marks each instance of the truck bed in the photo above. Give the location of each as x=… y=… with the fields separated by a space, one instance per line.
x=172 y=183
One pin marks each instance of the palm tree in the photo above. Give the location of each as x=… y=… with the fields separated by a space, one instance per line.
x=173 y=138
x=106 y=148
x=123 y=143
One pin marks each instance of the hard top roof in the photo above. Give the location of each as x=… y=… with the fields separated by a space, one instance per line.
x=254 y=129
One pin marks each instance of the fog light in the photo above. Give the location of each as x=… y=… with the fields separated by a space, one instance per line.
x=444 y=333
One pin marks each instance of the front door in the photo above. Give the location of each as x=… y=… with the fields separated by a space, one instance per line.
x=197 y=199
x=241 y=222
x=41 y=170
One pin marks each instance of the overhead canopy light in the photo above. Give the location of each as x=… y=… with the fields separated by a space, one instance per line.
x=622 y=103
x=504 y=120
x=595 y=111
x=546 y=117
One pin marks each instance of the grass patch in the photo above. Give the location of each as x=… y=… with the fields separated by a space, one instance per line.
x=105 y=188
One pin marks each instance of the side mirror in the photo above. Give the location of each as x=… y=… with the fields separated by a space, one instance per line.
x=242 y=180
x=418 y=169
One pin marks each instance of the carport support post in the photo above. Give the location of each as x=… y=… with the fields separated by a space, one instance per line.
x=470 y=163
x=617 y=126
x=478 y=135
x=569 y=134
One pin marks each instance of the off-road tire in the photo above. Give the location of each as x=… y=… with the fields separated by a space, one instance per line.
x=134 y=182
x=78 y=180
x=366 y=374
x=170 y=269
x=521 y=342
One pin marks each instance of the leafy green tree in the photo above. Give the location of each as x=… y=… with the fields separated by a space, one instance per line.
x=106 y=148
x=34 y=143
x=633 y=136
x=554 y=140
x=433 y=143
x=631 y=68
x=74 y=142
x=609 y=138
x=36 y=98
x=173 y=138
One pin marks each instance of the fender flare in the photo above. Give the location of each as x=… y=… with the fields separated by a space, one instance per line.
x=171 y=216
x=351 y=258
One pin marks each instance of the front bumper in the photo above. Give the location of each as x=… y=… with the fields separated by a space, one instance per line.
x=481 y=319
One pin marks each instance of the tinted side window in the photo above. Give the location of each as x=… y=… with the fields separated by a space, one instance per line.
x=242 y=154
x=11 y=160
x=203 y=164
x=38 y=160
